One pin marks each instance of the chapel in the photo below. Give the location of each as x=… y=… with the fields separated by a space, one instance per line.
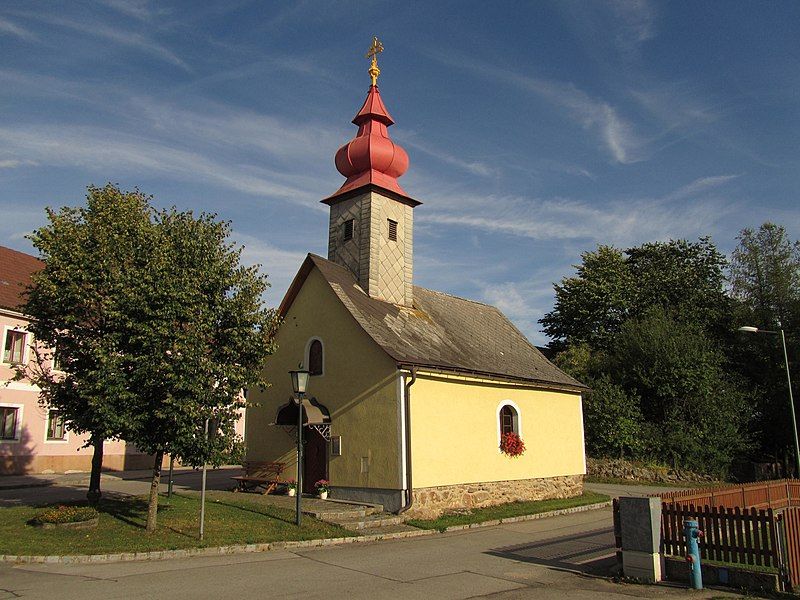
x=418 y=392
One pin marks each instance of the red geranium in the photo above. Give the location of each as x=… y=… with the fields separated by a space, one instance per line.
x=512 y=444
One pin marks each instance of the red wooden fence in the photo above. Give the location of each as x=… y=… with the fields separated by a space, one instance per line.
x=763 y=494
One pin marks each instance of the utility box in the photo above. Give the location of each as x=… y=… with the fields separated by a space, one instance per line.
x=640 y=527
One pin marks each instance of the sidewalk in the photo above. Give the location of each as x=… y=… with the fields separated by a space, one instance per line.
x=59 y=487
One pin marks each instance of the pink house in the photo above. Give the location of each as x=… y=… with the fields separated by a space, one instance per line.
x=33 y=438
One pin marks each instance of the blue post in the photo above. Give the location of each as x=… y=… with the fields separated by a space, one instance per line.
x=691 y=532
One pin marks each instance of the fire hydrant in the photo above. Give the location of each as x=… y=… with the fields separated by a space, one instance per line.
x=692 y=533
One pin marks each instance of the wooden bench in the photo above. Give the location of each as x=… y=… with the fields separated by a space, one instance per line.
x=260 y=474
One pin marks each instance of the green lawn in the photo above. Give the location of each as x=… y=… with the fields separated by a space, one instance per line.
x=505 y=511
x=230 y=519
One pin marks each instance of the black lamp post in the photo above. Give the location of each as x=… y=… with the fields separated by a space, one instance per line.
x=748 y=329
x=299 y=384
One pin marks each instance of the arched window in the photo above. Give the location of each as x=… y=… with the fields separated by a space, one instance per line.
x=315 y=358
x=509 y=420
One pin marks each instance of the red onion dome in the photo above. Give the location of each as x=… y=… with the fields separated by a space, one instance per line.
x=371 y=156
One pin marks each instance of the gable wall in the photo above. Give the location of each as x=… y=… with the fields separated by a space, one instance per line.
x=359 y=387
x=454 y=427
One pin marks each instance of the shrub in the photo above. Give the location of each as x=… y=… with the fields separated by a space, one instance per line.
x=66 y=514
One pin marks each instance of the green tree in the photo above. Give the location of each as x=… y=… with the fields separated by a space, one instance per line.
x=612 y=420
x=765 y=274
x=90 y=255
x=611 y=286
x=697 y=411
x=177 y=333
x=591 y=306
x=765 y=280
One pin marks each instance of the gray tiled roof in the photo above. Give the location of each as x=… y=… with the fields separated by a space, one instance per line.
x=440 y=331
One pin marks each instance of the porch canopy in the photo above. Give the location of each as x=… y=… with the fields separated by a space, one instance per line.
x=314 y=413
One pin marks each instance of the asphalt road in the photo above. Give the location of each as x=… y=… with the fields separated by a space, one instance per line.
x=548 y=558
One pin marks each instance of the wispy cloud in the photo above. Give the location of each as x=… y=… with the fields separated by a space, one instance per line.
x=113 y=153
x=621 y=221
x=635 y=21
x=475 y=167
x=138 y=9
x=699 y=185
x=130 y=39
x=616 y=133
x=7 y=26
x=12 y=163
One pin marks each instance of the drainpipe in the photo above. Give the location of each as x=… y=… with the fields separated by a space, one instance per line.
x=409 y=486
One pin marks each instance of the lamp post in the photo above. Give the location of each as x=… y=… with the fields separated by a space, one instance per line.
x=748 y=329
x=299 y=383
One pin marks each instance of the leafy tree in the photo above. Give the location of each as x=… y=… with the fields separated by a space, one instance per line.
x=765 y=280
x=611 y=286
x=765 y=274
x=591 y=306
x=90 y=256
x=697 y=410
x=612 y=419
x=168 y=332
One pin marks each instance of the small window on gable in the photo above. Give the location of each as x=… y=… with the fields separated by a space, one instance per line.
x=392 y=230
x=509 y=420
x=8 y=422
x=14 y=350
x=348 y=230
x=56 y=429
x=315 y=358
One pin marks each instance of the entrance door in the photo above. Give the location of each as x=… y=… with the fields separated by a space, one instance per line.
x=315 y=464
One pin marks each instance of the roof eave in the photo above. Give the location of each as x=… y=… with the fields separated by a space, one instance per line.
x=489 y=375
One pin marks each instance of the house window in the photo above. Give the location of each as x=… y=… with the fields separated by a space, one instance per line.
x=509 y=420
x=315 y=358
x=15 y=346
x=392 y=231
x=55 y=426
x=348 y=230
x=8 y=422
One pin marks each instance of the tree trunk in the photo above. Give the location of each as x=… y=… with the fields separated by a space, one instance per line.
x=94 y=493
x=152 y=508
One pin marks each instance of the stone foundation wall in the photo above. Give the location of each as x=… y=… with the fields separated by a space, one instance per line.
x=429 y=503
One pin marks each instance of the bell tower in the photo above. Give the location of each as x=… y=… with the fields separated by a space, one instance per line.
x=371 y=216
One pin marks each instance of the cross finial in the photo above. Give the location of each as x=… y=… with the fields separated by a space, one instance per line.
x=372 y=53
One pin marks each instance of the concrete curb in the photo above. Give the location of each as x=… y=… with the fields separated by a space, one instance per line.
x=534 y=517
x=293 y=545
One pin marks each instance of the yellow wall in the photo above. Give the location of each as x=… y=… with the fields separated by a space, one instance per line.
x=454 y=428
x=359 y=387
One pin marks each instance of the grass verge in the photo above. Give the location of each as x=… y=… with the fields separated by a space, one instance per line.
x=230 y=519
x=505 y=511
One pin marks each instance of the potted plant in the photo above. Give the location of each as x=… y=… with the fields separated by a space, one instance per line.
x=291 y=487
x=323 y=487
x=511 y=444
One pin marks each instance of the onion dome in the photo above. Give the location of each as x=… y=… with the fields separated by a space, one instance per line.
x=371 y=157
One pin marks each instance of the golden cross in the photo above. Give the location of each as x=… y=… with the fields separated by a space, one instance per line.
x=372 y=53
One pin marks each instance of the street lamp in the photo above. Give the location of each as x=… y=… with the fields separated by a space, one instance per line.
x=749 y=329
x=299 y=384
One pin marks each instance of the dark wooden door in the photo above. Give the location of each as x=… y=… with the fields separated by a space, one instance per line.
x=315 y=464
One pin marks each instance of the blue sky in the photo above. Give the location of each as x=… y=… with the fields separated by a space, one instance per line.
x=535 y=130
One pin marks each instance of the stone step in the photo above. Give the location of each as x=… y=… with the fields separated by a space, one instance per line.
x=374 y=521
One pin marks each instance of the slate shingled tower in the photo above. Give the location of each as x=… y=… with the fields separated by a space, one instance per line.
x=371 y=218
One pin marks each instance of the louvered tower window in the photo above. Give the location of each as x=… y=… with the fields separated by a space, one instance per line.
x=392 y=230
x=348 y=230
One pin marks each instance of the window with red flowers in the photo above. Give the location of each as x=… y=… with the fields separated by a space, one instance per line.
x=509 y=420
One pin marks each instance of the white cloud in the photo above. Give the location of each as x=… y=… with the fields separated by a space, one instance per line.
x=124 y=38
x=7 y=26
x=616 y=133
x=621 y=221
x=474 y=167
